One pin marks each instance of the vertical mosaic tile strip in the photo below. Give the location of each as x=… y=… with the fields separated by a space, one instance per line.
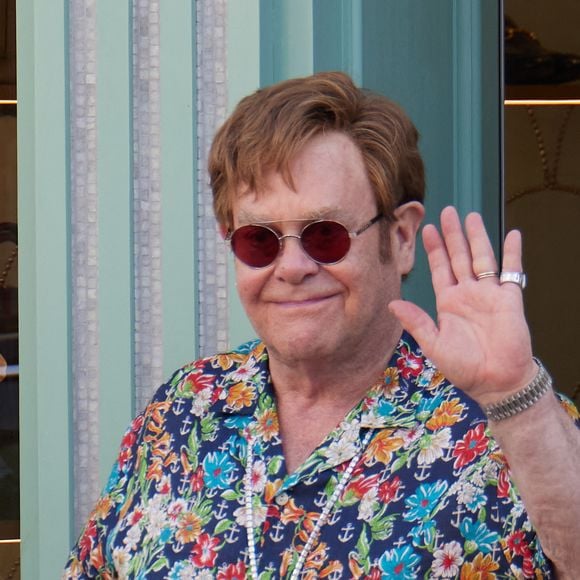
x=211 y=112
x=147 y=200
x=84 y=214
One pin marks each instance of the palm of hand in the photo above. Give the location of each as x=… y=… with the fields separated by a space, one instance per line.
x=481 y=341
x=482 y=344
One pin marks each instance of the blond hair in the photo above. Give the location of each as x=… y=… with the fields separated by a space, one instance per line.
x=268 y=128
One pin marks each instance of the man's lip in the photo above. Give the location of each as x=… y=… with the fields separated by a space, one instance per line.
x=302 y=301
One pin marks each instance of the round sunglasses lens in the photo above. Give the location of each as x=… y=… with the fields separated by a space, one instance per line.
x=326 y=241
x=256 y=246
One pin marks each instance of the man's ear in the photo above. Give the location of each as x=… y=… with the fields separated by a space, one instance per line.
x=408 y=218
x=223 y=230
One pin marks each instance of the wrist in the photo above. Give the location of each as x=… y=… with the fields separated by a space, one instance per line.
x=522 y=399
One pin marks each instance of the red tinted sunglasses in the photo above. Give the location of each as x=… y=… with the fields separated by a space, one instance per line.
x=325 y=241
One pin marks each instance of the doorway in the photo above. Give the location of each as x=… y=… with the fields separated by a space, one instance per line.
x=542 y=173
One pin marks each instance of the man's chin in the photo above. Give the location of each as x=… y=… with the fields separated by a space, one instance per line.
x=301 y=348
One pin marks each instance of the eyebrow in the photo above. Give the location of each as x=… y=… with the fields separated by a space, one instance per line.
x=326 y=212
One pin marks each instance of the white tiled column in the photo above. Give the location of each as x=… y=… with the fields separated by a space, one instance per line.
x=84 y=255
x=211 y=112
x=147 y=201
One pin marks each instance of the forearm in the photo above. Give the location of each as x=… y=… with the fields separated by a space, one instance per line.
x=542 y=446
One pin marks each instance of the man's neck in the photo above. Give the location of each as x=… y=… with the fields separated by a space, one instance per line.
x=342 y=376
x=320 y=393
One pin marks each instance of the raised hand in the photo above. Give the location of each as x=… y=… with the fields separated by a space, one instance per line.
x=481 y=340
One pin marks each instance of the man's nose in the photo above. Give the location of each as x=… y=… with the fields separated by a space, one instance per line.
x=293 y=264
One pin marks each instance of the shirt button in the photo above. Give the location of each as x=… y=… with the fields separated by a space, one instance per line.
x=282 y=499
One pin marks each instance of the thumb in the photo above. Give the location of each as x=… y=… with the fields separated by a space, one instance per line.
x=416 y=322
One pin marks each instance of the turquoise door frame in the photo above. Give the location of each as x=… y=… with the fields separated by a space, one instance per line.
x=438 y=58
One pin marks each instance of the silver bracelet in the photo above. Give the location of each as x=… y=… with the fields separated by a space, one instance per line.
x=523 y=399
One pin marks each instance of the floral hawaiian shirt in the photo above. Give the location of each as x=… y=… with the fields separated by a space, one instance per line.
x=430 y=495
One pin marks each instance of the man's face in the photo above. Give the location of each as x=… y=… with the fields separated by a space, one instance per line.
x=306 y=311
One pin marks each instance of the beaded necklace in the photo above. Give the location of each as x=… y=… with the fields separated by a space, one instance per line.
x=249 y=510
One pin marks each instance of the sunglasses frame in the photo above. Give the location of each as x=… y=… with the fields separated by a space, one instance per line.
x=266 y=225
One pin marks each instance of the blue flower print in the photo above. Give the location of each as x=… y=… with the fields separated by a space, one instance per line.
x=217 y=466
x=113 y=478
x=399 y=563
x=384 y=408
x=165 y=535
x=422 y=502
x=423 y=534
x=476 y=502
x=477 y=536
x=426 y=407
x=247 y=347
x=238 y=422
x=238 y=445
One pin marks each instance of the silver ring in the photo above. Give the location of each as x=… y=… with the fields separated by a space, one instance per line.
x=518 y=278
x=486 y=275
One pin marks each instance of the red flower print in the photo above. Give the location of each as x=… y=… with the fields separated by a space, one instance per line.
x=409 y=364
x=216 y=394
x=473 y=444
x=362 y=485
x=517 y=543
x=273 y=511
x=137 y=423
x=204 y=551
x=388 y=489
x=88 y=538
x=124 y=457
x=164 y=486
x=528 y=566
x=135 y=516
x=129 y=439
x=233 y=572
x=197 y=479
x=503 y=484
x=375 y=574
x=196 y=382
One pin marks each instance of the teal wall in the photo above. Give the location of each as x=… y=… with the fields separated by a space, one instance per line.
x=438 y=58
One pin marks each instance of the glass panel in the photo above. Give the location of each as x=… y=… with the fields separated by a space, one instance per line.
x=9 y=458
x=542 y=173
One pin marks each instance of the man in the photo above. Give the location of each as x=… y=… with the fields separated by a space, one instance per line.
x=332 y=447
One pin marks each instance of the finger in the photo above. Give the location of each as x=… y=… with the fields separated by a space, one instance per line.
x=512 y=257
x=457 y=245
x=512 y=252
x=417 y=323
x=482 y=254
x=441 y=273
